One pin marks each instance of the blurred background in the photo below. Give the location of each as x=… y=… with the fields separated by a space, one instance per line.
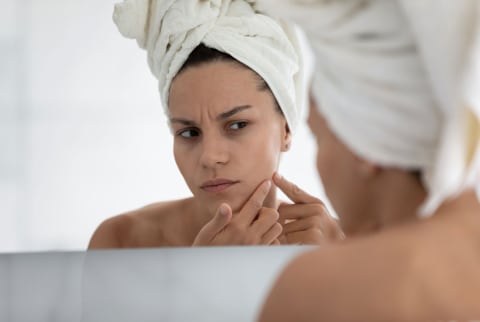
x=82 y=132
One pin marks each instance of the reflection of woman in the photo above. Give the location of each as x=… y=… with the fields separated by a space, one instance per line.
x=232 y=88
x=397 y=121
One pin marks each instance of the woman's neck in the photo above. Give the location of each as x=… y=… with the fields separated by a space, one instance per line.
x=395 y=197
x=400 y=194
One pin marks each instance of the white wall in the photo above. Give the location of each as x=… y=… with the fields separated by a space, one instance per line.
x=82 y=134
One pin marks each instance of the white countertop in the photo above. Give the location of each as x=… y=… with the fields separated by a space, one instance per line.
x=162 y=284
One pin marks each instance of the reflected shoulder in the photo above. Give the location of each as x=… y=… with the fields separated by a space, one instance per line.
x=143 y=227
x=111 y=232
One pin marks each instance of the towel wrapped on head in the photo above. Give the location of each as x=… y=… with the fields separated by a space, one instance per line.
x=169 y=30
x=398 y=82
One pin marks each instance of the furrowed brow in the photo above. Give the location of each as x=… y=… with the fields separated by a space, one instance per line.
x=233 y=111
x=182 y=121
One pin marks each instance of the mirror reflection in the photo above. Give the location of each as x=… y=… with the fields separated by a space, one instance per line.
x=85 y=136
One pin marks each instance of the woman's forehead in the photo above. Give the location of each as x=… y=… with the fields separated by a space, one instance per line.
x=217 y=76
x=219 y=86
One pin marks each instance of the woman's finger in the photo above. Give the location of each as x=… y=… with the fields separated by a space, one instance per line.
x=292 y=191
x=272 y=234
x=303 y=224
x=253 y=205
x=298 y=211
x=214 y=226
x=267 y=217
x=276 y=242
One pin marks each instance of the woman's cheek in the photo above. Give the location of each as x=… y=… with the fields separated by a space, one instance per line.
x=185 y=163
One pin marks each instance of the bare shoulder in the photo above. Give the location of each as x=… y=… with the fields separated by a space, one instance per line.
x=412 y=272
x=338 y=282
x=109 y=233
x=144 y=227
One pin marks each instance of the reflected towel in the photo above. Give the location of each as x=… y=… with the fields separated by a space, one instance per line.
x=171 y=29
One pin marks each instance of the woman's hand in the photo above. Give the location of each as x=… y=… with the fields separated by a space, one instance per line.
x=253 y=225
x=307 y=220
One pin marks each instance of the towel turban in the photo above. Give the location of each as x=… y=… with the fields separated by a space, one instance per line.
x=398 y=82
x=169 y=30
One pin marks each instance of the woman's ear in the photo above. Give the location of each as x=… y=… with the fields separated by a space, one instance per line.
x=286 y=138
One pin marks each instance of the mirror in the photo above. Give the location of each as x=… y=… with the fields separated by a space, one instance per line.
x=83 y=135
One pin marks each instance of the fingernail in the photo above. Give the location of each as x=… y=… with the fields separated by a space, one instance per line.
x=223 y=210
x=277 y=176
x=268 y=184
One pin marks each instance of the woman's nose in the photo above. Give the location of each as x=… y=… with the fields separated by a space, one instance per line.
x=214 y=152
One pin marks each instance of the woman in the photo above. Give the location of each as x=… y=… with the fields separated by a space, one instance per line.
x=396 y=114
x=232 y=86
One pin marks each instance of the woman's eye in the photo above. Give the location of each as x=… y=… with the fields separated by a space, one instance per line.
x=189 y=133
x=237 y=125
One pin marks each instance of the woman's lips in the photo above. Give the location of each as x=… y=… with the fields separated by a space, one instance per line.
x=217 y=185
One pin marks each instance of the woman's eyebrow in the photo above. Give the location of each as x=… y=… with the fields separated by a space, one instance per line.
x=233 y=111
x=182 y=121
x=222 y=116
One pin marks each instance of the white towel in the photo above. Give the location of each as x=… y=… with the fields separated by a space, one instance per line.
x=171 y=29
x=398 y=82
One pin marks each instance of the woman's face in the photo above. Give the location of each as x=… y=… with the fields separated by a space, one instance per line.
x=227 y=132
x=339 y=170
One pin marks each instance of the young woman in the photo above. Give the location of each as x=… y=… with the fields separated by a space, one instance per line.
x=232 y=86
x=396 y=115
